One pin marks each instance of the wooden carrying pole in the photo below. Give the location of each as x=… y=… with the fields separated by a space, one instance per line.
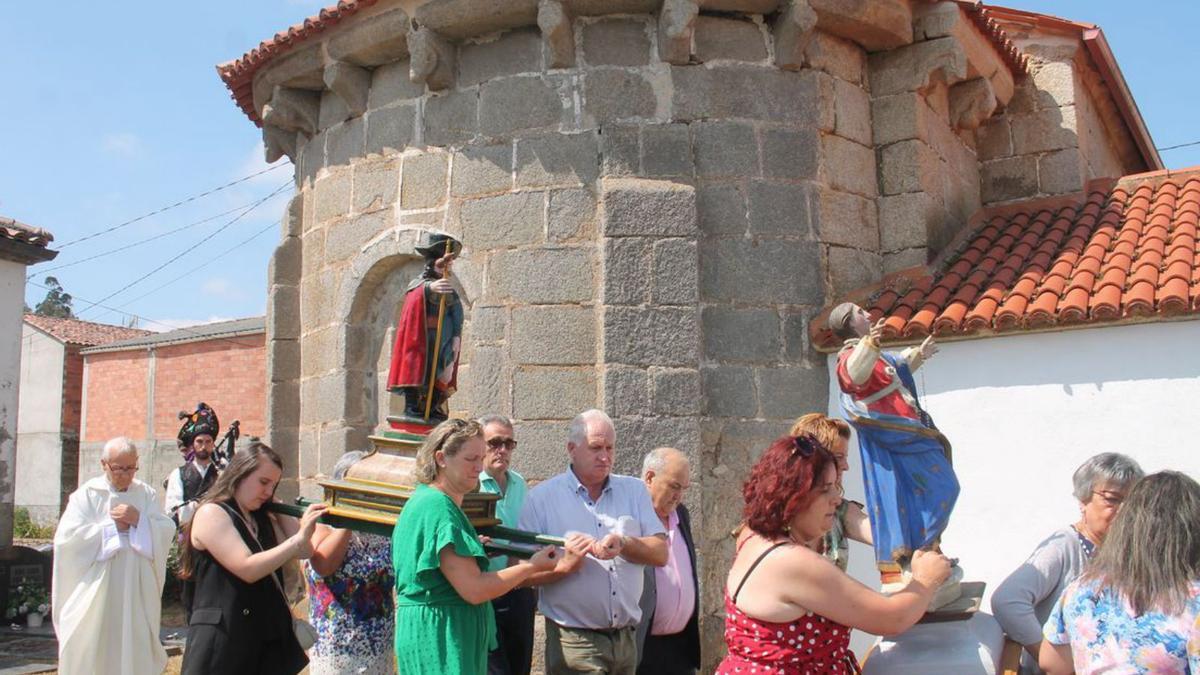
x=437 y=340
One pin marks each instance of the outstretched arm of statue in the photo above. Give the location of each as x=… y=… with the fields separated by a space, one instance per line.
x=863 y=356
x=917 y=356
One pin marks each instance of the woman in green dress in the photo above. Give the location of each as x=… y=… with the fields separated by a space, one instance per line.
x=444 y=620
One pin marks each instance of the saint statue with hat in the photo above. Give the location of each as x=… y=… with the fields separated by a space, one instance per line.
x=910 y=484
x=429 y=334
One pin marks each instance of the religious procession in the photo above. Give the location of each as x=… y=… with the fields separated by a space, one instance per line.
x=608 y=337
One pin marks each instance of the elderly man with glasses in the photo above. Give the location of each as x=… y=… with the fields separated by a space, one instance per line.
x=110 y=557
x=669 y=632
x=514 y=610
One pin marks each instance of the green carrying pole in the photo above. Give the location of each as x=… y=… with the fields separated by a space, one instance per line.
x=511 y=535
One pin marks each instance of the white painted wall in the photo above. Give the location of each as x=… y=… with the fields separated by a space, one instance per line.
x=12 y=298
x=1024 y=411
x=39 y=425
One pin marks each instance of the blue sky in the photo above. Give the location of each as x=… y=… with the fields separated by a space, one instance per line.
x=116 y=110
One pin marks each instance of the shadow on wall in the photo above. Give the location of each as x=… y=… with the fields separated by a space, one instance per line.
x=370 y=329
x=1087 y=356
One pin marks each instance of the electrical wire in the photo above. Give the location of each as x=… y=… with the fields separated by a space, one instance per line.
x=167 y=326
x=1175 y=147
x=163 y=209
x=144 y=241
x=192 y=271
x=187 y=250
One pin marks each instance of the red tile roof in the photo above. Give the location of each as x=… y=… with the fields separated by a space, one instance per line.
x=238 y=75
x=15 y=229
x=74 y=331
x=1125 y=250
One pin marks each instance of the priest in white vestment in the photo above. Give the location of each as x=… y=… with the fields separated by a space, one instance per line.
x=110 y=556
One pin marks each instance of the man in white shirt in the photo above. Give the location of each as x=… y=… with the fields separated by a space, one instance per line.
x=187 y=484
x=592 y=610
x=110 y=557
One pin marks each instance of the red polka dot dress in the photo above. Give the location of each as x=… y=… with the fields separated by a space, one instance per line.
x=811 y=644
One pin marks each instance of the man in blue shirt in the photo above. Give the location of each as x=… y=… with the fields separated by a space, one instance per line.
x=592 y=610
x=514 y=610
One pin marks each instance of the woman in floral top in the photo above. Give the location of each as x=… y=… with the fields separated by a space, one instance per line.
x=350 y=601
x=1136 y=607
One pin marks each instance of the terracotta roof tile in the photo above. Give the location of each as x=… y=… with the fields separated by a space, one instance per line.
x=1130 y=251
x=15 y=229
x=87 y=333
x=238 y=75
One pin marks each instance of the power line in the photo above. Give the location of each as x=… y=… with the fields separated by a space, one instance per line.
x=188 y=249
x=144 y=241
x=192 y=271
x=148 y=320
x=1181 y=145
x=171 y=206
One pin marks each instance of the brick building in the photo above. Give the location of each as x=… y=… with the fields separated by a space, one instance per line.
x=656 y=197
x=137 y=387
x=52 y=406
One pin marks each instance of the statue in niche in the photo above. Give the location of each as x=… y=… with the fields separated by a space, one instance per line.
x=429 y=335
x=910 y=483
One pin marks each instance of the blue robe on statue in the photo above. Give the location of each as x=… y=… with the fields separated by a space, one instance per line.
x=911 y=487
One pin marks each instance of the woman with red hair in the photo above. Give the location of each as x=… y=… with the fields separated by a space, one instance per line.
x=789 y=610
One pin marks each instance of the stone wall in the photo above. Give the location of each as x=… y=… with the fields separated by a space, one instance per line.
x=928 y=99
x=1060 y=130
x=655 y=198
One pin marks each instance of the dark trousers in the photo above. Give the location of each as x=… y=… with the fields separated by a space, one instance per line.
x=666 y=655
x=514 y=633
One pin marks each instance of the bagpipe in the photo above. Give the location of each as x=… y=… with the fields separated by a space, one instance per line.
x=224 y=448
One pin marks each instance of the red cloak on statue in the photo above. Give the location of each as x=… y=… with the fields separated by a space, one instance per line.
x=408 y=355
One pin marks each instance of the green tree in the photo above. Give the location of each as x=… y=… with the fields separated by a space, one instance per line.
x=57 y=303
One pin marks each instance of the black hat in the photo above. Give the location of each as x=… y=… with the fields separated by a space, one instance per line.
x=434 y=245
x=203 y=421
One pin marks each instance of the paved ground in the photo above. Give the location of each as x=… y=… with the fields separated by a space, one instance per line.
x=35 y=650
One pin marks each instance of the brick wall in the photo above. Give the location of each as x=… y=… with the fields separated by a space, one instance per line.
x=72 y=390
x=116 y=394
x=228 y=374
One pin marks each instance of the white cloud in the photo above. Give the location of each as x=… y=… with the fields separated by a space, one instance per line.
x=124 y=143
x=164 y=325
x=222 y=288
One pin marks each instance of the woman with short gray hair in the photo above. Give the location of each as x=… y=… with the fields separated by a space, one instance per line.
x=1022 y=602
x=350 y=596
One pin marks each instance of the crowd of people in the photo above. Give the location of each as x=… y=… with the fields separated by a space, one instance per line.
x=1118 y=589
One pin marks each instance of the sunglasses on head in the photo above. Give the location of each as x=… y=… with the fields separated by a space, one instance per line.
x=804 y=446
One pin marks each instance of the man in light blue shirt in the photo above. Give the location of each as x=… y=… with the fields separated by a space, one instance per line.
x=592 y=610
x=514 y=610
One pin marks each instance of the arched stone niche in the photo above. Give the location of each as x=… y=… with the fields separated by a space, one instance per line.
x=368 y=306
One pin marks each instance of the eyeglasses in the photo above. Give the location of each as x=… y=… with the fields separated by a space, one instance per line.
x=498 y=442
x=1110 y=500
x=117 y=468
